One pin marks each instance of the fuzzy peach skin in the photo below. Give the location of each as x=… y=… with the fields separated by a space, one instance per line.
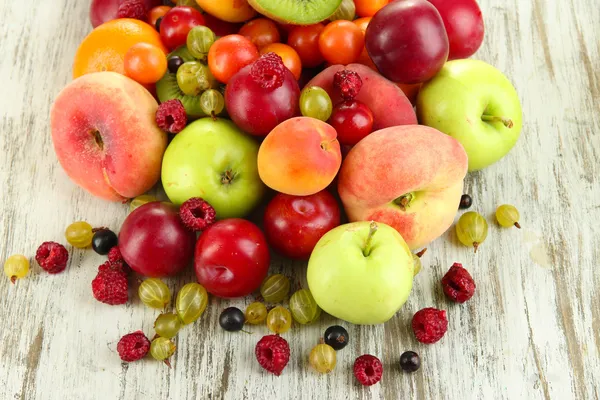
x=105 y=135
x=388 y=103
x=409 y=177
x=300 y=157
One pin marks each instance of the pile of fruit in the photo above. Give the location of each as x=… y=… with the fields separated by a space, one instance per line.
x=353 y=121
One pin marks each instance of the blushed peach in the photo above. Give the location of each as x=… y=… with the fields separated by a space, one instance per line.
x=300 y=157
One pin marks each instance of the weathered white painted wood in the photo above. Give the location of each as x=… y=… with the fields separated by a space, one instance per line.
x=531 y=332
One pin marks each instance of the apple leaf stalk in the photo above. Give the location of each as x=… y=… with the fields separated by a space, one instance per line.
x=372 y=230
x=492 y=118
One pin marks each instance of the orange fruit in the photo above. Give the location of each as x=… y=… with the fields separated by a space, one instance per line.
x=105 y=47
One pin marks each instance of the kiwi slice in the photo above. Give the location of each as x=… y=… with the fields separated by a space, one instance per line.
x=168 y=89
x=297 y=12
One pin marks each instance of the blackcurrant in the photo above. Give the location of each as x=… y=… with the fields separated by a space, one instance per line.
x=336 y=336
x=232 y=319
x=103 y=241
x=174 y=63
x=410 y=361
x=466 y=201
x=158 y=21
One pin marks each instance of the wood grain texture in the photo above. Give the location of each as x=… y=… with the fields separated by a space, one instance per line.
x=531 y=332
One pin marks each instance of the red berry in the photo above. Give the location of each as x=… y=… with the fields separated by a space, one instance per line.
x=368 y=369
x=52 y=257
x=196 y=214
x=458 y=284
x=114 y=255
x=133 y=346
x=269 y=71
x=135 y=9
x=118 y=266
x=110 y=285
x=348 y=83
x=171 y=116
x=273 y=353
x=429 y=325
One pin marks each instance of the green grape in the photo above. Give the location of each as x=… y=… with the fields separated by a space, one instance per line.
x=79 y=234
x=315 y=103
x=191 y=302
x=323 y=358
x=212 y=102
x=471 y=229
x=167 y=325
x=193 y=78
x=304 y=308
x=275 y=288
x=162 y=348
x=154 y=293
x=508 y=216
x=416 y=264
x=279 y=320
x=346 y=10
x=16 y=267
x=199 y=40
x=256 y=313
x=140 y=201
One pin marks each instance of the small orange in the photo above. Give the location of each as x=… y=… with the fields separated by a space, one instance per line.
x=290 y=57
x=105 y=47
x=145 y=63
x=368 y=8
x=364 y=58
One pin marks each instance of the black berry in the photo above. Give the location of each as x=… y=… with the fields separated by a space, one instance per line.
x=174 y=63
x=336 y=336
x=466 y=201
x=103 y=241
x=410 y=361
x=232 y=319
x=158 y=21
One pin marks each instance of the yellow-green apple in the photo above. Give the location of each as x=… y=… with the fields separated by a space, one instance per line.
x=105 y=135
x=361 y=272
x=475 y=103
x=215 y=160
x=409 y=177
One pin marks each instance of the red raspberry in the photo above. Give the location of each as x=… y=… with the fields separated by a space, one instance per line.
x=269 y=71
x=135 y=9
x=52 y=257
x=119 y=266
x=171 y=116
x=114 y=255
x=196 y=214
x=458 y=284
x=273 y=353
x=368 y=369
x=133 y=346
x=429 y=325
x=348 y=83
x=110 y=285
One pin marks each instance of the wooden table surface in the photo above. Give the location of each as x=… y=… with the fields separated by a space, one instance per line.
x=531 y=332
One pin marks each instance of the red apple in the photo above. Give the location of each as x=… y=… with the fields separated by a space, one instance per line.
x=154 y=241
x=294 y=224
x=102 y=11
x=232 y=258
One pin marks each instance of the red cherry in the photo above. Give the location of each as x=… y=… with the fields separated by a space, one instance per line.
x=294 y=224
x=232 y=258
x=177 y=23
x=352 y=120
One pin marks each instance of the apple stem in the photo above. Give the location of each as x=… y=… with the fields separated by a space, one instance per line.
x=227 y=177
x=420 y=254
x=372 y=230
x=492 y=118
x=518 y=225
x=475 y=246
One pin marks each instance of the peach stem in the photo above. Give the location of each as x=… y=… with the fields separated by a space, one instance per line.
x=492 y=118
x=372 y=230
x=404 y=201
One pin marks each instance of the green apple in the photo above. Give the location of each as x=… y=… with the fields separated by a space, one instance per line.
x=361 y=272
x=476 y=104
x=214 y=160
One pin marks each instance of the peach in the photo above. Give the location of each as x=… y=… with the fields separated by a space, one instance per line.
x=386 y=100
x=300 y=157
x=409 y=177
x=105 y=135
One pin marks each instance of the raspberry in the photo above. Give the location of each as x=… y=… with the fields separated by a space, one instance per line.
x=196 y=214
x=133 y=346
x=273 y=353
x=119 y=266
x=348 y=83
x=429 y=325
x=368 y=369
x=171 y=116
x=110 y=285
x=52 y=257
x=135 y=9
x=114 y=255
x=458 y=284
x=269 y=71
